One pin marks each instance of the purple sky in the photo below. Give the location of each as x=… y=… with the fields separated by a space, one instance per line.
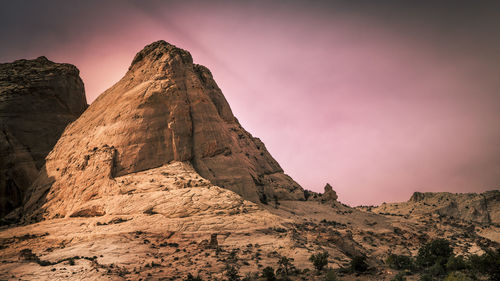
x=378 y=100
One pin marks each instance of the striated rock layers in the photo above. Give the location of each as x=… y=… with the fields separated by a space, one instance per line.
x=38 y=99
x=472 y=207
x=164 y=109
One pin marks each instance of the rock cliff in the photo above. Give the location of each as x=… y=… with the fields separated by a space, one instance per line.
x=38 y=99
x=164 y=109
x=472 y=207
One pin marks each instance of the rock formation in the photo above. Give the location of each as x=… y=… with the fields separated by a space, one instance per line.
x=472 y=207
x=164 y=109
x=38 y=99
x=329 y=194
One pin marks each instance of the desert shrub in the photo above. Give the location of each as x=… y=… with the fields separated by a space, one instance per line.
x=190 y=277
x=319 y=260
x=285 y=266
x=399 y=277
x=456 y=263
x=232 y=273
x=436 y=251
x=358 y=264
x=268 y=273
x=457 y=276
x=399 y=262
x=330 y=275
x=233 y=256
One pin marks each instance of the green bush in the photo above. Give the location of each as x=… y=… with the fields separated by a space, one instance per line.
x=330 y=275
x=268 y=273
x=426 y=277
x=358 y=264
x=457 y=276
x=437 y=270
x=436 y=251
x=319 y=260
x=487 y=264
x=456 y=263
x=399 y=262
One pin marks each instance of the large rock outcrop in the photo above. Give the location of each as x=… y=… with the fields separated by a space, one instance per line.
x=164 y=109
x=38 y=99
x=471 y=207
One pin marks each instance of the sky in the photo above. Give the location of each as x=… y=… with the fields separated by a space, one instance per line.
x=378 y=98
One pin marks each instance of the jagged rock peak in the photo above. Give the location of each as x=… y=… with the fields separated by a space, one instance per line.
x=159 y=52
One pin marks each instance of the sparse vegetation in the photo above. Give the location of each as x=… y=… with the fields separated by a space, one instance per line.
x=319 y=260
x=285 y=266
x=399 y=262
x=268 y=274
x=358 y=264
x=232 y=273
x=190 y=277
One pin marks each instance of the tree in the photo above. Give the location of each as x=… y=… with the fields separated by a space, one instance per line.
x=436 y=251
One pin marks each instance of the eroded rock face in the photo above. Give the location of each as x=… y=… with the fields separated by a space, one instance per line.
x=38 y=99
x=472 y=207
x=164 y=109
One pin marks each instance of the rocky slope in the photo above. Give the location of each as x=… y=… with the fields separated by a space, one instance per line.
x=163 y=227
x=38 y=99
x=471 y=207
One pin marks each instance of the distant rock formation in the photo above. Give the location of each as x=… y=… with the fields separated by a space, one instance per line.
x=473 y=207
x=38 y=99
x=164 y=109
x=329 y=194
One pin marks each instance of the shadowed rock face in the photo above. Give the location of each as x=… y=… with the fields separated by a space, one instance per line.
x=38 y=99
x=164 y=109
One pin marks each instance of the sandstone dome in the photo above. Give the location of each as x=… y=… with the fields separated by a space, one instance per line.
x=165 y=109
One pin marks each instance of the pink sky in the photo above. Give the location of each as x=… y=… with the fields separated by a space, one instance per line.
x=377 y=109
